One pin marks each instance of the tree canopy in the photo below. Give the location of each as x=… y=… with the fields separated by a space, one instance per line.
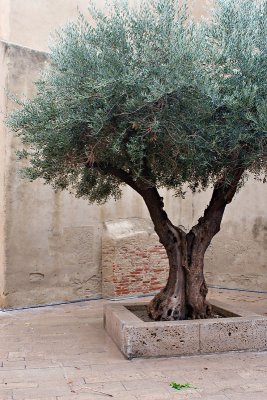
x=150 y=96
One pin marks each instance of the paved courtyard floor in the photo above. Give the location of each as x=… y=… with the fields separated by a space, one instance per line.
x=63 y=353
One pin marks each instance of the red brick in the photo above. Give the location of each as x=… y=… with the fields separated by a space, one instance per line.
x=140 y=254
x=118 y=292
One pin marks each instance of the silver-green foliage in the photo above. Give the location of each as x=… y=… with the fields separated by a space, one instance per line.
x=150 y=92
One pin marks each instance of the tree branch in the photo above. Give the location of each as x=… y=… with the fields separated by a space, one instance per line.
x=119 y=173
x=209 y=225
x=152 y=198
x=223 y=193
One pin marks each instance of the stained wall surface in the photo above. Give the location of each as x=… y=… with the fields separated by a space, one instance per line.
x=52 y=240
x=3 y=170
x=37 y=227
x=30 y=22
x=51 y=243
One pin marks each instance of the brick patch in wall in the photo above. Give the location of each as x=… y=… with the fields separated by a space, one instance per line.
x=133 y=261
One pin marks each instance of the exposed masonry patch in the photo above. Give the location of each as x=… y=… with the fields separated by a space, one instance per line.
x=133 y=260
x=36 y=276
x=239 y=330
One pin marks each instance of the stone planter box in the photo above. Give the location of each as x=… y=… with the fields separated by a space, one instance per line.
x=238 y=330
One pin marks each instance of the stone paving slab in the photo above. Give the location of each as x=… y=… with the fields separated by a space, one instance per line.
x=63 y=353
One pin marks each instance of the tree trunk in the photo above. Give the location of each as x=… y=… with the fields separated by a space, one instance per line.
x=184 y=296
x=170 y=303
x=196 y=288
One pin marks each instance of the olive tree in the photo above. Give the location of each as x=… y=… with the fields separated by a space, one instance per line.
x=148 y=97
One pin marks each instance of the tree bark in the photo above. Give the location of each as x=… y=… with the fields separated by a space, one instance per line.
x=170 y=303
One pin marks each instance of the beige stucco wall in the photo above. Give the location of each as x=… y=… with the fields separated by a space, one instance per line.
x=3 y=165
x=30 y=22
x=4 y=19
x=50 y=243
x=51 y=240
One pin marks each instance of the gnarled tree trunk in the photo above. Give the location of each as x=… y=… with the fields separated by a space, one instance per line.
x=170 y=303
x=184 y=295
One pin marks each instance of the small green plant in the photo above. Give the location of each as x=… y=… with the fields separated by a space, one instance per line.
x=180 y=386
